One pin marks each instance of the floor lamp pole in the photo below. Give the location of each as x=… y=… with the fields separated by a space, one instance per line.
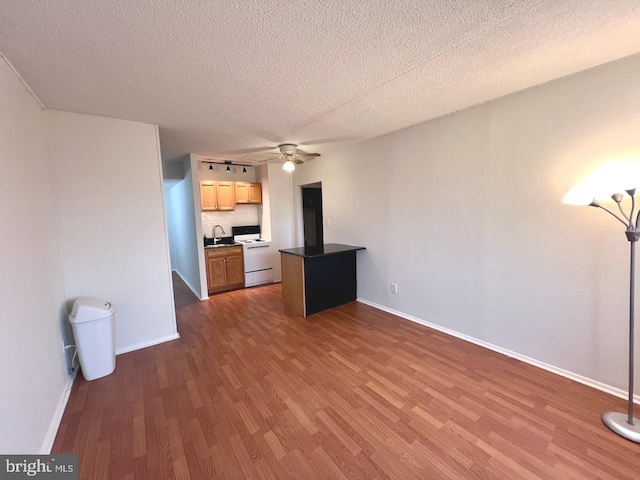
x=626 y=425
x=632 y=296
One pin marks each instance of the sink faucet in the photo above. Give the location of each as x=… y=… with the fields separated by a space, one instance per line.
x=214 y=233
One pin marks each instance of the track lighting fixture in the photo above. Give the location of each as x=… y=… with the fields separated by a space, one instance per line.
x=228 y=164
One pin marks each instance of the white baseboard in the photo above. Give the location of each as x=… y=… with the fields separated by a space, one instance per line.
x=195 y=292
x=509 y=353
x=150 y=343
x=50 y=437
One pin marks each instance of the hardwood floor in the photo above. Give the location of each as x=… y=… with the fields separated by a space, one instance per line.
x=182 y=294
x=250 y=391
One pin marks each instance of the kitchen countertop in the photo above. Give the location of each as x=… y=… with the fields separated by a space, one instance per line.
x=321 y=250
x=222 y=245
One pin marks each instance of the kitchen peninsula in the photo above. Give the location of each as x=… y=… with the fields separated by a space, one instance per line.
x=318 y=278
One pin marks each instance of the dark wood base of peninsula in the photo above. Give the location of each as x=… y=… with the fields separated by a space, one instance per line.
x=317 y=279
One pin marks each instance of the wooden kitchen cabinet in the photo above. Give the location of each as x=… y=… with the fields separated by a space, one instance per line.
x=248 y=193
x=255 y=193
x=226 y=195
x=225 y=269
x=217 y=196
x=216 y=273
x=208 y=198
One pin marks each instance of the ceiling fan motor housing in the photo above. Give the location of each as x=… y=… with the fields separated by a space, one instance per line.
x=288 y=149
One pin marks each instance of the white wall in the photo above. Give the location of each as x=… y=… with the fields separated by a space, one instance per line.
x=170 y=227
x=107 y=184
x=281 y=209
x=264 y=220
x=464 y=213
x=33 y=369
x=187 y=229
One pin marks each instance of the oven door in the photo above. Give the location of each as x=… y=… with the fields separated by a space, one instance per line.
x=257 y=257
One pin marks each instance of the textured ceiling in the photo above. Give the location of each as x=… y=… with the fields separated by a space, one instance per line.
x=225 y=78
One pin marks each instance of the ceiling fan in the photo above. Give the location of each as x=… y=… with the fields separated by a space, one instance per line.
x=291 y=154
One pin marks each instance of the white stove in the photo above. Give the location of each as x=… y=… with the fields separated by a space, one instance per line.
x=258 y=258
x=248 y=241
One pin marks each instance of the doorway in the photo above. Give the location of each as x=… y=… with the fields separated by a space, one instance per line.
x=312 y=214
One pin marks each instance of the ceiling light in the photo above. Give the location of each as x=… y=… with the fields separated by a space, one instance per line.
x=211 y=167
x=244 y=169
x=288 y=166
x=228 y=168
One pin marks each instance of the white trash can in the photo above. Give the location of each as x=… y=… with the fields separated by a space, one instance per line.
x=94 y=329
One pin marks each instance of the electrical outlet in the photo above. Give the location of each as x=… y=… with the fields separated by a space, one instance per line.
x=394 y=288
x=327 y=222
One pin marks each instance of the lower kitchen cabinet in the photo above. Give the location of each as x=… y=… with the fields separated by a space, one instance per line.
x=225 y=269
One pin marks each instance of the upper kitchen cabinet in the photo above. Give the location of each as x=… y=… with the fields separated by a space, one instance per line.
x=226 y=195
x=217 y=196
x=208 y=197
x=248 y=193
x=255 y=193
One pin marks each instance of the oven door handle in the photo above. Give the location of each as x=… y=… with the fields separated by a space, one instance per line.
x=259 y=246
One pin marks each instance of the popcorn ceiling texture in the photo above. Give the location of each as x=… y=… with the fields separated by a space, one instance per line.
x=226 y=78
x=242 y=215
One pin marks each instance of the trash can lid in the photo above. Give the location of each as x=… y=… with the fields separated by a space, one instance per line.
x=88 y=309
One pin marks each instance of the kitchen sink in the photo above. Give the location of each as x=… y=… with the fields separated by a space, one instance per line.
x=218 y=245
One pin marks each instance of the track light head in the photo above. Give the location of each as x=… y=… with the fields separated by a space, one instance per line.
x=211 y=167
x=244 y=169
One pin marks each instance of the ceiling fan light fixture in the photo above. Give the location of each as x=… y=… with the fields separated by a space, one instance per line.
x=288 y=166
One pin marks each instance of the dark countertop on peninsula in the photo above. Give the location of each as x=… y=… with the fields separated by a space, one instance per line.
x=322 y=250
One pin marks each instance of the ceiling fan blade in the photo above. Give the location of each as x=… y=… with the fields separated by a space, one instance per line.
x=297 y=161
x=300 y=151
x=270 y=160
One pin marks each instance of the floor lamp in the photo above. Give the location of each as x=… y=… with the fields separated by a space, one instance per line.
x=624 y=425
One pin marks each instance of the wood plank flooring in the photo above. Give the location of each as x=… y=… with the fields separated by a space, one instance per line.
x=182 y=294
x=250 y=391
